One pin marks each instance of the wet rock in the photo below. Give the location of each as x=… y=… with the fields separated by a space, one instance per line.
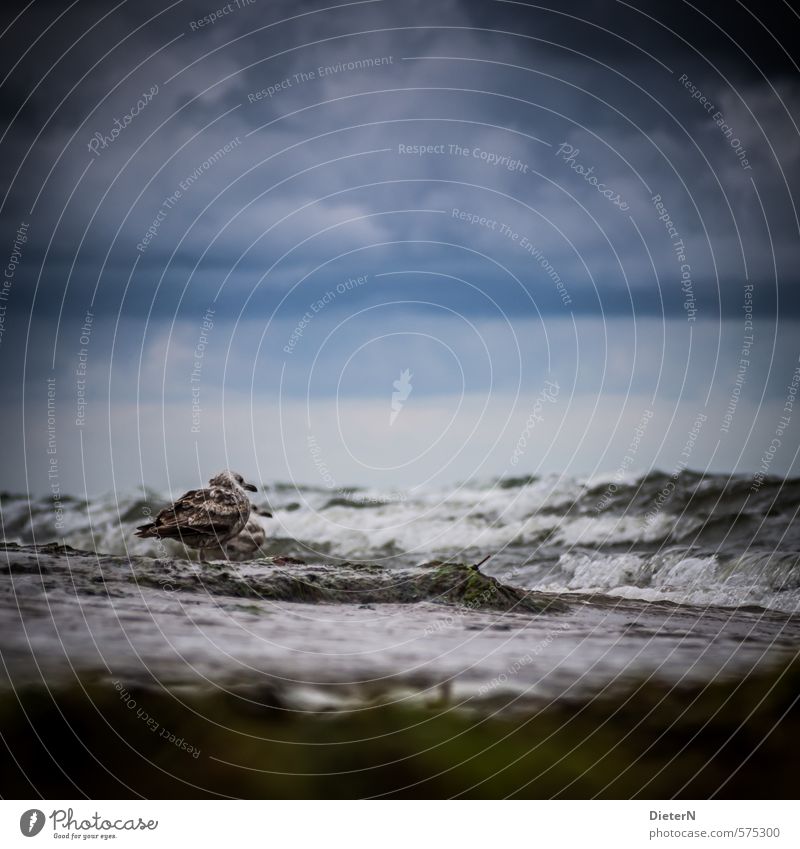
x=348 y=583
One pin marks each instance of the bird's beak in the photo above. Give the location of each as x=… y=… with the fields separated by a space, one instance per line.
x=250 y=487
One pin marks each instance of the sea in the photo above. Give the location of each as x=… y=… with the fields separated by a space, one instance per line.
x=696 y=539
x=680 y=580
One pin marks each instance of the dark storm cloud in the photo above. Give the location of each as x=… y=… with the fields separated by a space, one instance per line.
x=257 y=169
x=754 y=35
x=603 y=77
x=592 y=74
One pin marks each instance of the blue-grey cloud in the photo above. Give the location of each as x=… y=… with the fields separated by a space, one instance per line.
x=481 y=165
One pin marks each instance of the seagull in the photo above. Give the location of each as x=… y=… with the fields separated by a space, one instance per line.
x=205 y=518
x=250 y=543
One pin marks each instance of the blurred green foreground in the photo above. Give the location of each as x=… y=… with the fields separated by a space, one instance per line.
x=735 y=739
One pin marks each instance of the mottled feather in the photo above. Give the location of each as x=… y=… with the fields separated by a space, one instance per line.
x=202 y=518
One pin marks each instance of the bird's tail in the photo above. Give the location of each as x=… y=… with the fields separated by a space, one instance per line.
x=146 y=530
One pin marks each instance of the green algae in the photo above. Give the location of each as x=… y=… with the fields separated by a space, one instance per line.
x=735 y=739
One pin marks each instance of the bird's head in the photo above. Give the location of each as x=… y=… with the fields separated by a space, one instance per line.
x=231 y=480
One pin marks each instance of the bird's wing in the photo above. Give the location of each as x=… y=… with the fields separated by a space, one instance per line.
x=203 y=511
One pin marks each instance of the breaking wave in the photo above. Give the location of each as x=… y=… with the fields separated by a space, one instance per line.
x=694 y=539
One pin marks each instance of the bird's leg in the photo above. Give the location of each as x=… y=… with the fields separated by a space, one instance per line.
x=202 y=556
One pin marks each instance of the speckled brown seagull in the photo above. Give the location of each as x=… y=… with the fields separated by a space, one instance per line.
x=249 y=544
x=205 y=518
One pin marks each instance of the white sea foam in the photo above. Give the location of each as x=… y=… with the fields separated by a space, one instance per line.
x=544 y=533
x=759 y=580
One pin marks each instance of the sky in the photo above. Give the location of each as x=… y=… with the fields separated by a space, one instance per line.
x=396 y=244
